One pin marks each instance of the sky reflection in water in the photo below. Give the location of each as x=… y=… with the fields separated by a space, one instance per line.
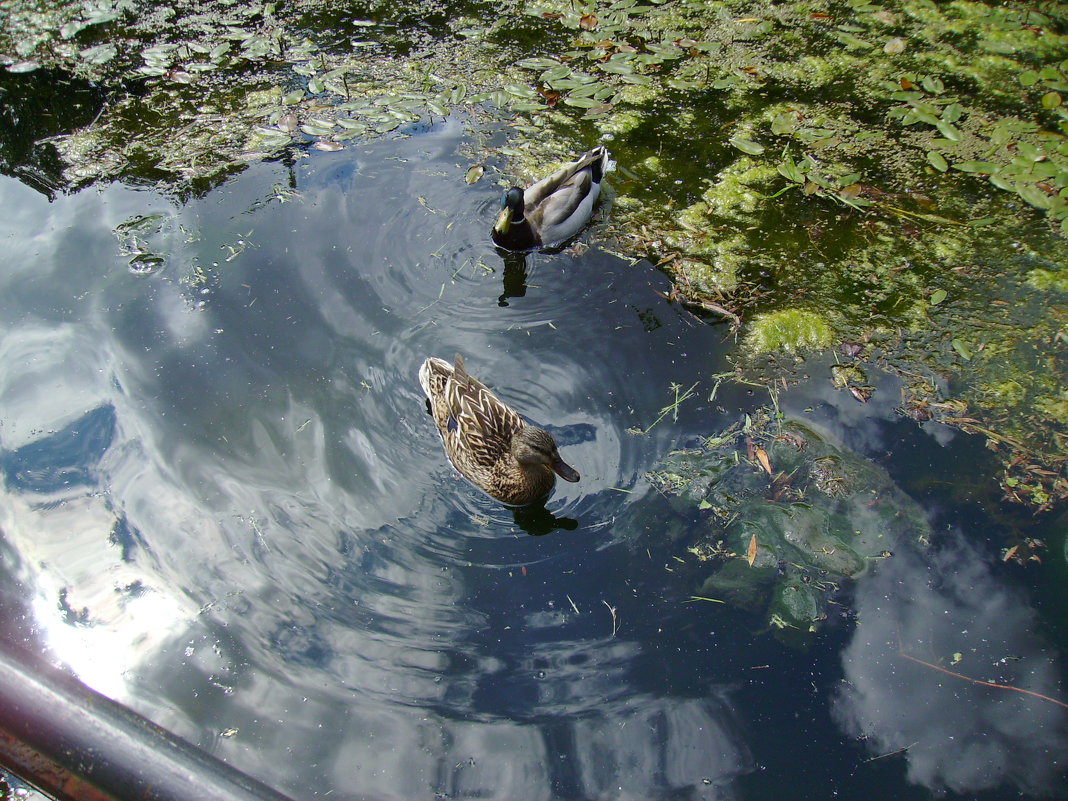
x=236 y=516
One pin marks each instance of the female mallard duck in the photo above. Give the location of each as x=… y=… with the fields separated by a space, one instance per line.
x=487 y=441
x=555 y=208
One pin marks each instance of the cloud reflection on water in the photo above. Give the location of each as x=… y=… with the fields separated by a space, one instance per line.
x=959 y=736
x=274 y=559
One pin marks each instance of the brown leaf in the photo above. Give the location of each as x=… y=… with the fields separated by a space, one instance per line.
x=551 y=97
x=751 y=553
x=762 y=457
x=862 y=394
x=588 y=22
x=1010 y=553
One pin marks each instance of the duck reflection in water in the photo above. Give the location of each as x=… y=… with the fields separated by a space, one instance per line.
x=515 y=276
x=487 y=442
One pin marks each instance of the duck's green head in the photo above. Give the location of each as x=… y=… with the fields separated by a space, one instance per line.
x=511 y=210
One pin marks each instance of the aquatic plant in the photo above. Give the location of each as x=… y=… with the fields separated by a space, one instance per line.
x=784 y=518
x=790 y=330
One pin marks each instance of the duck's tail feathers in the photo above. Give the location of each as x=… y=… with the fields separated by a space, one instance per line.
x=603 y=164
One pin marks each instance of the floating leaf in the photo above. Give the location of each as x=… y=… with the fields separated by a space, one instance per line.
x=947 y=130
x=1051 y=100
x=588 y=22
x=937 y=160
x=1028 y=78
x=328 y=146
x=747 y=145
x=617 y=67
x=538 y=63
x=474 y=174
x=962 y=349
x=582 y=102
x=894 y=46
x=293 y=97
x=1033 y=195
x=762 y=457
x=784 y=123
x=555 y=73
x=984 y=167
x=600 y=110
x=952 y=112
x=932 y=84
x=101 y=54
x=937 y=296
x=751 y=552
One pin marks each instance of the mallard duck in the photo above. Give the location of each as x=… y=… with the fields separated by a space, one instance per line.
x=488 y=442
x=555 y=208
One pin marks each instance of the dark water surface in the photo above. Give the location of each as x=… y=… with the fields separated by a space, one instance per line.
x=227 y=508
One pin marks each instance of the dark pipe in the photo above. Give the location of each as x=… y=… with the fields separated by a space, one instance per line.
x=77 y=745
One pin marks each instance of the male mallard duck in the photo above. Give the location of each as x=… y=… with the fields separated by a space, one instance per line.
x=487 y=441
x=555 y=208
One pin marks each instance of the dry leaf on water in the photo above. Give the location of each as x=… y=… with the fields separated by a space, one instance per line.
x=762 y=457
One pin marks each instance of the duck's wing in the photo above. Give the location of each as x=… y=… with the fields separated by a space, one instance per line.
x=573 y=197
x=482 y=424
x=536 y=193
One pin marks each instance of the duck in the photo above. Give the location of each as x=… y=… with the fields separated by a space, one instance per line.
x=555 y=208
x=487 y=441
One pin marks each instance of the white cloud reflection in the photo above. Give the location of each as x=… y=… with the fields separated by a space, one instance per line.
x=958 y=736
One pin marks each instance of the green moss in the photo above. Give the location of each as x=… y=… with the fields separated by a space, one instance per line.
x=790 y=330
x=636 y=94
x=1048 y=280
x=619 y=123
x=733 y=192
x=1006 y=394
x=1055 y=407
x=717 y=272
x=812 y=72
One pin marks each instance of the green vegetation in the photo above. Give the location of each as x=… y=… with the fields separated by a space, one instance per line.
x=791 y=330
x=898 y=169
x=783 y=517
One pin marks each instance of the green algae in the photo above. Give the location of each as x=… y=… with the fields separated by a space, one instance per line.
x=789 y=330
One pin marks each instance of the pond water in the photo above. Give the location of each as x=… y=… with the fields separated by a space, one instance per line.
x=225 y=506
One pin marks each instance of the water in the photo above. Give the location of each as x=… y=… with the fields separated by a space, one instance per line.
x=225 y=505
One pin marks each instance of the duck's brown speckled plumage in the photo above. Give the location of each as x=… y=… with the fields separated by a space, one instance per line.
x=488 y=442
